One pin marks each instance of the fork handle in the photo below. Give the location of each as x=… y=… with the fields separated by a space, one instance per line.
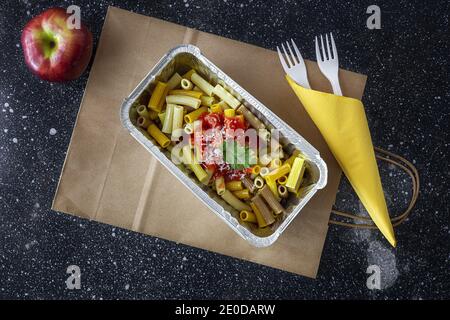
x=336 y=87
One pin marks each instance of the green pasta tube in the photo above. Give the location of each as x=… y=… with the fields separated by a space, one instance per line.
x=259 y=182
x=143 y=112
x=168 y=119
x=267 y=194
x=265 y=159
x=204 y=85
x=189 y=128
x=248 y=216
x=220 y=185
x=174 y=81
x=162 y=116
x=177 y=122
x=186 y=84
x=251 y=118
x=264 y=171
x=184 y=101
x=233 y=201
x=226 y=96
x=207 y=101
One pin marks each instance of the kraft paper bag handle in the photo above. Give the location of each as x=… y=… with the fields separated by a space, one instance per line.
x=343 y=124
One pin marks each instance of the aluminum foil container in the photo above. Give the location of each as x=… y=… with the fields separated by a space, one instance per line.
x=181 y=59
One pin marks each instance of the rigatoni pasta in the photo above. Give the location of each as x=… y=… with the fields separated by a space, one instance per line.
x=206 y=125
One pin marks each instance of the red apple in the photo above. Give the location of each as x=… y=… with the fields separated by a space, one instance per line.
x=52 y=50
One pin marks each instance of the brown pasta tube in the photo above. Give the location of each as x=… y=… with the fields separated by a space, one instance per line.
x=251 y=118
x=248 y=183
x=262 y=211
x=143 y=122
x=270 y=199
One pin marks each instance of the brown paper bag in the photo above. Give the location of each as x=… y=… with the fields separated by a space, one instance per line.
x=109 y=177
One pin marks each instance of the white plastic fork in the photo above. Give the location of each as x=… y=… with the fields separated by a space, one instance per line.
x=294 y=65
x=329 y=64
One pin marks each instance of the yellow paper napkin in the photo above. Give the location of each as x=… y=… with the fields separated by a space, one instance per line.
x=343 y=124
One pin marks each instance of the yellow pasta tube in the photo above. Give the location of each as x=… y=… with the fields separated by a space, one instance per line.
x=226 y=96
x=263 y=214
x=177 y=123
x=220 y=186
x=282 y=191
x=296 y=175
x=291 y=159
x=251 y=118
x=207 y=101
x=143 y=122
x=184 y=101
x=259 y=182
x=174 y=81
x=234 y=185
x=255 y=171
x=216 y=108
x=272 y=185
x=279 y=172
x=202 y=84
x=233 y=201
x=271 y=200
x=189 y=93
x=242 y=194
x=168 y=119
x=160 y=137
x=248 y=216
x=186 y=84
x=157 y=99
x=192 y=116
x=229 y=113
x=188 y=74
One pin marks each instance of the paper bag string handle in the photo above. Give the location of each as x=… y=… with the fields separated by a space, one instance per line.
x=403 y=164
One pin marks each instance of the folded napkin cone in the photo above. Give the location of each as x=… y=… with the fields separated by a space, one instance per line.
x=343 y=124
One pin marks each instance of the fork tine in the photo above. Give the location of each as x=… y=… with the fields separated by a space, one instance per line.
x=333 y=45
x=287 y=56
x=323 y=49
x=299 y=55
x=294 y=60
x=318 y=58
x=328 y=47
x=283 y=62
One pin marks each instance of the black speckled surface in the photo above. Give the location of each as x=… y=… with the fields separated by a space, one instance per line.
x=406 y=102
